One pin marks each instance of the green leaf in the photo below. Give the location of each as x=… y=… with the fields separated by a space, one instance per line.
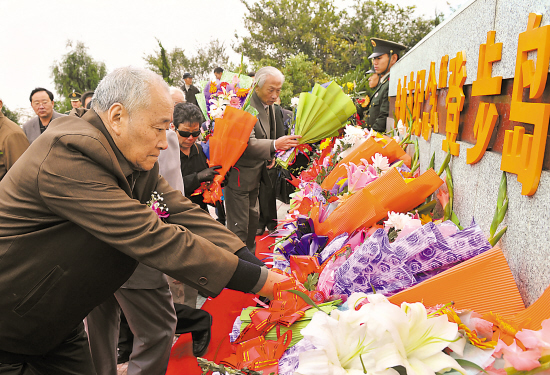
x=432 y=162
x=305 y=297
x=311 y=282
x=502 y=190
x=425 y=208
x=466 y=363
x=445 y=162
x=455 y=220
x=494 y=240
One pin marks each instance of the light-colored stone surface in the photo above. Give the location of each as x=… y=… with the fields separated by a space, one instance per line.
x=525 y=244
x=466 y=30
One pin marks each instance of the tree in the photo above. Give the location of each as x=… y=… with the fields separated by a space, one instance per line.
x=12 y=115
x=282 y=28
x=76 y=71
x=172 y=65
x=301 y=74
x=337 y=41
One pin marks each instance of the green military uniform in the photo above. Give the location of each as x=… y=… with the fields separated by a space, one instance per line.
x=379 y=106
x=74 y=97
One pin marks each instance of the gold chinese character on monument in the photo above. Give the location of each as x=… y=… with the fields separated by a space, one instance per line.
x=454 y=102
x=443 y=71
x=487 y=114
x=522 y=153
x=486 y=119
x=398 y=102
x=418 y=101
x=410 y=99
x=488 y=54
x=429 y=119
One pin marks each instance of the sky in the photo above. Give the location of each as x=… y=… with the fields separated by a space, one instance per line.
x=119 y=33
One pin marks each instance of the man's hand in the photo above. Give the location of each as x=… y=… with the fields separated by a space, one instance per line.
x=272 y=279
x=271 y=164
x=286 y=142
x=208 y=174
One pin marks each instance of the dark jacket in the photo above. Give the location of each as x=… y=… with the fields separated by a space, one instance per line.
x=379 y=106
x=190 y=94
x=73 y=225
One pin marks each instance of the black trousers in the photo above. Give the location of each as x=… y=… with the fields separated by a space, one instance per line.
x=191 y=320
x=71 y=357
x=267 y=200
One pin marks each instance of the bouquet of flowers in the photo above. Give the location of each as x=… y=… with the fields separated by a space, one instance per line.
x=319 y=114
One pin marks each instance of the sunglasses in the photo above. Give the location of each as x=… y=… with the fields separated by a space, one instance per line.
x=186 y=134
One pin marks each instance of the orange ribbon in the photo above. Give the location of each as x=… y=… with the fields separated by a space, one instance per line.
x=259 y=354
x=285 y=309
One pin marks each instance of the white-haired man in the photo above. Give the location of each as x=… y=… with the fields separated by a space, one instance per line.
x=82 y=196
x=243 y=182
x=177 y=94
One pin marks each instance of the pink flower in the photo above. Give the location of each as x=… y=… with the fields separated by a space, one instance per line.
x=359 y=176
x=493 y=371
x=443 y=195
x=536 y=339
x=521 y=360
x=235 y=102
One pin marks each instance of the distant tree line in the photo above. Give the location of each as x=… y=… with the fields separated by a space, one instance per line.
x=309 y=40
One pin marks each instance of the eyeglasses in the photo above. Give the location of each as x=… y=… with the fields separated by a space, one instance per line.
x=186 y=134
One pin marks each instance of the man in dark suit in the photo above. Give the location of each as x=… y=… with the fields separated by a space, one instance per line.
x=243 y=182
x=79 y=212
x=189 y=89
x=43 y=105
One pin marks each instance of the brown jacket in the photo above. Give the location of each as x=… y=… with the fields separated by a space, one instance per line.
x=13 y=143
x=72 y=230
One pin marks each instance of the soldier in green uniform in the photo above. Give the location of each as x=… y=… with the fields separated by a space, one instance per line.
x=75 y=100
x=385 y=55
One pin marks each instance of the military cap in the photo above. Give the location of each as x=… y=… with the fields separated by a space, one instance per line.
x=187 y=75
x=382 y=47
x=74 y=96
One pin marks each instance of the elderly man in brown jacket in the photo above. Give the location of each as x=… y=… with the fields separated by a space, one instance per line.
x=75 y=221
x=13 y=142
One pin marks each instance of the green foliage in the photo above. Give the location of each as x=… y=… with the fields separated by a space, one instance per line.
x=280 y=29
x=12 y=115
x=77 y=71
x=172 y=65
x=337 y=41
x=301 y=75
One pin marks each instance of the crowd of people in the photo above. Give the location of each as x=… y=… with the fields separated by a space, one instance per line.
x=102 y=242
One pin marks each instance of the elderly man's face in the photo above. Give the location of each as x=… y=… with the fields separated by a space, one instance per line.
x=188 y=81
x=42 y=105
x=178 y=97
x=270 y=91
x=143 y=136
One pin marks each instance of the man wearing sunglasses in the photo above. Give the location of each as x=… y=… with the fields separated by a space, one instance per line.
x=194 y=168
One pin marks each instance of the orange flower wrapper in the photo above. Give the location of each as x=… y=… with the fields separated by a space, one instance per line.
x=366 y=150
x=372 y=203
x=227 y=144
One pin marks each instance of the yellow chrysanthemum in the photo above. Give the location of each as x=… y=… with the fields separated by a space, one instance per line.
x=213 y=87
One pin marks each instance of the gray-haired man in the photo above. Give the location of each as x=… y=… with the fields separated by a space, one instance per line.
x=82 y=197
x=243 y=182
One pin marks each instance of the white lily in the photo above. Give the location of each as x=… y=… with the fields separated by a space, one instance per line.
x=377 y=337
